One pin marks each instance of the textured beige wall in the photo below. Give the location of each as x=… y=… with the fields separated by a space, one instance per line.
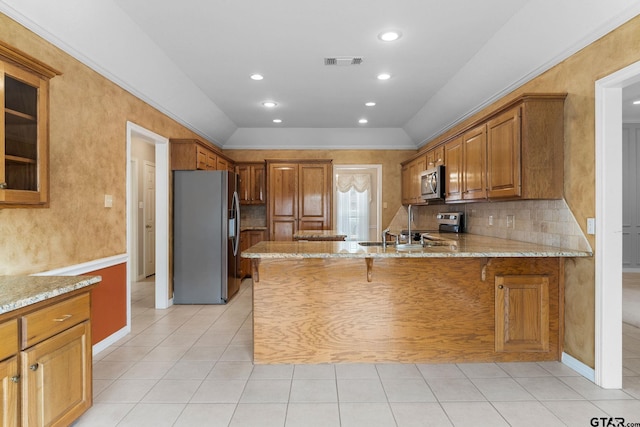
x=389 y=159
x=88 y=155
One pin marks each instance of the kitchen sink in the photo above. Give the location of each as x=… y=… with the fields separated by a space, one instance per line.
x=370 y=243
x=409 y=247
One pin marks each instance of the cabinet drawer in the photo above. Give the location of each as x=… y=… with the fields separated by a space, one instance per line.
x=8 y=338
x=49 y=321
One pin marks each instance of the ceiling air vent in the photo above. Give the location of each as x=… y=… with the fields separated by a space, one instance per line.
x=343 y=60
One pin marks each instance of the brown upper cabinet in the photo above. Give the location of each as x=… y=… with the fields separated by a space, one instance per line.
x=252 y=182
x=299 y=197
x=515 y=153
x=411 y=180
x=435 y=157
x=24 y=132
x=193 y=154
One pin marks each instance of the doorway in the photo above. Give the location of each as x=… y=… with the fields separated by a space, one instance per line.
x=608 y=259
x=161 y=246
x=357 y=210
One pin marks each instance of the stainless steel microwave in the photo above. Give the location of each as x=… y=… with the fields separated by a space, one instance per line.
x=432 y=183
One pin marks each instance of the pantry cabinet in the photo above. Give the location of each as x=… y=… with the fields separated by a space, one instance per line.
x=252 y=182
x=193 y=154
x=299 y=197
x=24 y=132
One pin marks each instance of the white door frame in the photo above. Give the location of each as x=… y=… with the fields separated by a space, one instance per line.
x=162 y=214
x=608 y=254
x=378 y=169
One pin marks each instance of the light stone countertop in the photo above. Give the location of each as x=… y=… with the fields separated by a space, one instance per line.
x=318 y=235
x=452 y=245
x=20 y=291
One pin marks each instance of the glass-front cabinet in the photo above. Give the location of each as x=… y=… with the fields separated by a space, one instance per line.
x=24 y=151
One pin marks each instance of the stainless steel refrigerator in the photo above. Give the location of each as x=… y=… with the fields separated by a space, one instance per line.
x=206 y=237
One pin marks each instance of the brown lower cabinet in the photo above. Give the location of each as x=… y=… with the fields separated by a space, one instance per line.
x=248 y=238
x=45 y=365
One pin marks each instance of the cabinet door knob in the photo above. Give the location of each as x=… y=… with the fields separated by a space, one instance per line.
x=3 y=185
x=15 y=379
x=34 y=367
x=500 y=286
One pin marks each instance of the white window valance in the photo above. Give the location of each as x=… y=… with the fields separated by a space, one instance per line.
x=360 y=182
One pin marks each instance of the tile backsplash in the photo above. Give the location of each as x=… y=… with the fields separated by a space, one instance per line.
x=253 y=216
x=547 y=222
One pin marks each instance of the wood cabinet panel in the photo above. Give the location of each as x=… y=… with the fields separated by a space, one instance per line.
x=411 y=171
x=9 y=384
x=193 y=154
x=522 y=313
x=44 y=323
x=503 y=155
x=252 y=183
x=8 y=338
x=24 y=133
x=299 y=198
x=453 y=169
x=56 y=377
x=474 y=164
x=315 y=196
x=248 y=238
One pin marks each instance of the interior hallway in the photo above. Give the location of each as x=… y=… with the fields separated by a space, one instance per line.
x=191 y=366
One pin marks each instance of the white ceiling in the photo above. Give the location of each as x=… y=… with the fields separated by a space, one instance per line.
x=192 y=60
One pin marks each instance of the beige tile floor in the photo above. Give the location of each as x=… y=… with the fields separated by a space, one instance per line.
x=191 y=366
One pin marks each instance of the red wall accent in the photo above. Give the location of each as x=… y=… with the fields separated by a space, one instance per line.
x=108 y=302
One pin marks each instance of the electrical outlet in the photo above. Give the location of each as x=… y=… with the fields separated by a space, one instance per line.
x=490 y=220
x=511 y=221
x=591 y=226
x=108 y=201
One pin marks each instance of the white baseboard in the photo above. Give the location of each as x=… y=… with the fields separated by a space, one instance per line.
x=111 y=339
x=579 y=367
x=86 y=267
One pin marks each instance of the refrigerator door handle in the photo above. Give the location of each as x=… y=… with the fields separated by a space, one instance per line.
x=235 y=223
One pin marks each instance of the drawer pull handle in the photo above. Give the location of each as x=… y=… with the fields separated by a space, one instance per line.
x=63 y=318
x=34 y=367
x=15 y=379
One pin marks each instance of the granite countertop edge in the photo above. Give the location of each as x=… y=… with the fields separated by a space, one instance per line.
x=467 y=246
x=21 y=291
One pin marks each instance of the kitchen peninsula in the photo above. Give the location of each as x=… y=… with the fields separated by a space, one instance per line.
x=474 y=299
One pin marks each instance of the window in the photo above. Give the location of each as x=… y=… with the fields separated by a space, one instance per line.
x=357 y=210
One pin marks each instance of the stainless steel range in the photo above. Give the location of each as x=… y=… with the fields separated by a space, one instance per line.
x=448 y=222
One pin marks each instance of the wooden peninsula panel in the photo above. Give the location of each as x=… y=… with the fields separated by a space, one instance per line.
x=415 y=310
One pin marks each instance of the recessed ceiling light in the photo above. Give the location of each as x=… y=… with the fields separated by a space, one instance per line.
x=370 y=104
x=636 y=102
x=269 y=104
x=384 y=76
x=363 y=121
x=277 y=120
x=389 y=36
x=257 y=76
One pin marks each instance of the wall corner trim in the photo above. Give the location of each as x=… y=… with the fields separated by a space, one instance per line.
x=579 y=367
x=86 y=267
x=111 y=339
